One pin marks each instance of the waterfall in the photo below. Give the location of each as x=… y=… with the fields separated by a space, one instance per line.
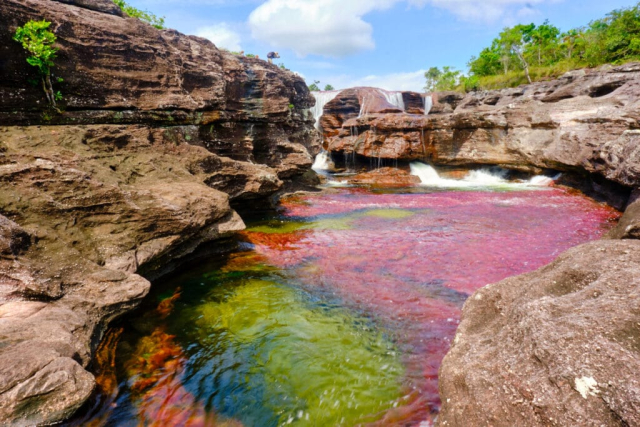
x=393 y=98
x=323 y=162
x=475 y=178
x=428 y=104
x=322 y=99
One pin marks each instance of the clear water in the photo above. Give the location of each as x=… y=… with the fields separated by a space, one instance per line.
x=337 y=311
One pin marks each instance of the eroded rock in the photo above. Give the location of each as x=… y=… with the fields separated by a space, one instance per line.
x=559 y=346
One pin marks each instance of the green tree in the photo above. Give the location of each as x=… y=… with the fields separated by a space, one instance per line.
x=513 y=42
x=143 y=15
x=487 y=63
x=329 y=87
x=543 y=40
x=440 y=80
x=314 y=87
x=38 y=41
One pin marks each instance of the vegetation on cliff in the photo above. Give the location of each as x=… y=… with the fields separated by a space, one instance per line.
x=526 y=53
x=143 y=15
x=38 y=41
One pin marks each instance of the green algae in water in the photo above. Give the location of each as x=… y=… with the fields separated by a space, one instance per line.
x=307 y=363
x=389 y=213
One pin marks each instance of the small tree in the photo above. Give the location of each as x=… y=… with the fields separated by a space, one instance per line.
x=513 y=42
x=38 y=41
x=440 y=80
x=329 y=87
x=314 y=87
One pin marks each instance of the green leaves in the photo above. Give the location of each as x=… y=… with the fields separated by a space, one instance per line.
x=143 y=15
x=38 y=41
x=439 y=80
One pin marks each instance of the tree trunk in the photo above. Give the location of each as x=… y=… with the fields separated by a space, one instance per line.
x=525 y=65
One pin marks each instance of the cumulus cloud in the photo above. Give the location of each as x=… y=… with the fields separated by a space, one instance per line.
x=323 y=27
x=222 y=35
x=336 y=28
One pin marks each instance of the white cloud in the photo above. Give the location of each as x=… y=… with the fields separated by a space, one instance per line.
x=222 y=35
x=323 y=27
x=336 y=28
x=410 y=81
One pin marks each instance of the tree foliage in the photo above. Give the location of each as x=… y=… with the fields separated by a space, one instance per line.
x=439 y=80
x=329 y=87
x=38 y=41
x=143 y=15
x=315 y=86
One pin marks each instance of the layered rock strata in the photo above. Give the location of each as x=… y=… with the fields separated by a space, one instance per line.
x=160 y=134
x=585 y=122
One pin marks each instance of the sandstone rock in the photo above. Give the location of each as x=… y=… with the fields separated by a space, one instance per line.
x=104 y=6
x=629 y=225
x=559 y=346
x=584 y=122
x=159 y=133
x=386 y=177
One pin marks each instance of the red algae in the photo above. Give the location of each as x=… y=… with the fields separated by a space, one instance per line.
x=413 y=267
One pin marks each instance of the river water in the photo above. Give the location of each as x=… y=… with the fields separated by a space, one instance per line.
x=337 y=310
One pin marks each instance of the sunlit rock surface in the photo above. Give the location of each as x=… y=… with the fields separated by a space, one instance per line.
x=159 y=135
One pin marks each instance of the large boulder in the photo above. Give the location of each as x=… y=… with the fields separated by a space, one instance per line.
x=556 y=347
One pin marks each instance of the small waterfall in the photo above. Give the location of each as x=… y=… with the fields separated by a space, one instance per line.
x=323 y=162
x=475 y=178
x=428 y=104
x=322 y=99
x=393 y=98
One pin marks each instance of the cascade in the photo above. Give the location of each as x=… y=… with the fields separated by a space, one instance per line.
x=475 y=178
x=428 y=104
x=323 y=162
x=322 y=99
x=393 y=98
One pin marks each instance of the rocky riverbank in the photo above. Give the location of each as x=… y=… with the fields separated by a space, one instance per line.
x=559 y=346
x=161 y=137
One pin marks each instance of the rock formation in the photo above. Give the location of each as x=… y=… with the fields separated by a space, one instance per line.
x=586 y=121
x=161 y=134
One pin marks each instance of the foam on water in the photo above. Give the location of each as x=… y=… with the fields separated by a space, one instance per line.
x=476 y=178
x=323 y=162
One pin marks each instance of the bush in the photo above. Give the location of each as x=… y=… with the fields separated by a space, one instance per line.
x=38 y=41
x=143 y=15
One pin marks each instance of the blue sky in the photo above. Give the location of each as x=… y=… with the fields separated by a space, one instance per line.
x=383 y=43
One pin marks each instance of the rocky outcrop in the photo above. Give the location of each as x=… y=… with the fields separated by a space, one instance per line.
x=586 y=121
x=556 y=347
x=160 y=136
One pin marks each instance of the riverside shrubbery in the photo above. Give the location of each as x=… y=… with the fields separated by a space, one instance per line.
x=526 y=53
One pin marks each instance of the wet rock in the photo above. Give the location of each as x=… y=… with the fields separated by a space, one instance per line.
x=559 y=346
x=386 y=177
